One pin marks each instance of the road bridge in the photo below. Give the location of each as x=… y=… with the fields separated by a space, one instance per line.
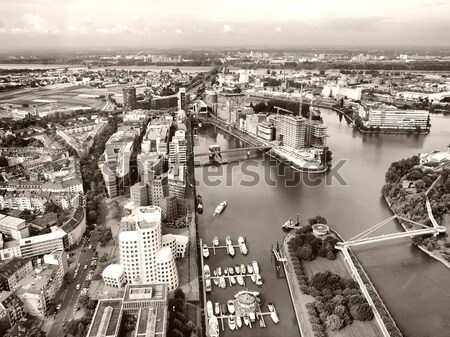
x=261 y=147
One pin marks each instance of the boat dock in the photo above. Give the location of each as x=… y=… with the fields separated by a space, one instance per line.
x=213 y=247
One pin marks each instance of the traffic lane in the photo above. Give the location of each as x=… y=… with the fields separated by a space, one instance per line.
x=70 y=299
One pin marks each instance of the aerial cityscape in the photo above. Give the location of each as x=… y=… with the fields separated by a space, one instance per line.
x=234 y=168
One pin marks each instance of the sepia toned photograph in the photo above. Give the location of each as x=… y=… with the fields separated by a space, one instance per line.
x=227 y=168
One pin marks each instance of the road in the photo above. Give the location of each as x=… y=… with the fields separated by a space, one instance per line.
x=71 y=294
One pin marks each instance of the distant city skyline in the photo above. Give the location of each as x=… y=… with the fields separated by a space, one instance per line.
x=35 y=24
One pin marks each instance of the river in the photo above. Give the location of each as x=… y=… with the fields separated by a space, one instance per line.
x=413 y=285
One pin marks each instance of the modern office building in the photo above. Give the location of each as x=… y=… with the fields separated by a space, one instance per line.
x=158 y=189
x=140 y=254
x=129 y=98
x=115 y=166
x=292 y=131
x=149 y=165
x=139 y=194
x=182 y=99
x=44 y=244
x=147 y=302
x=266 y=131
x=391 y=118
x=179 y=244
x=177 y=181
x=114 y=276
x=169 y=208
x=178 y=148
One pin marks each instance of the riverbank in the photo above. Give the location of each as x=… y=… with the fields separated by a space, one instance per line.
x=421 y=247
x=302 y=301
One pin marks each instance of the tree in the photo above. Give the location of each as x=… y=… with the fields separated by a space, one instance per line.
x=305 y=252
x=3 y=161
x=334 y=322
x=179 y=293
x=84 y=300
x=361 y=312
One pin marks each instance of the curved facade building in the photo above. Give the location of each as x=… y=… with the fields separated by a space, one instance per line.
x=129 y=255
x=166 y=268
x=113 y=276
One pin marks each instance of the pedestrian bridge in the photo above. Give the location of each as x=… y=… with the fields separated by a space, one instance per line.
x=262 y=147
x=363 y=238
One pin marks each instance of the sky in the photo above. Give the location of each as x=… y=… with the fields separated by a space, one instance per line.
x=29 y=24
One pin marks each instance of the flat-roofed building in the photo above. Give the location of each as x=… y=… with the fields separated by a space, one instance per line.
x=11 y=310
x=44 y=244
x=149 y=166
x=177 y=181
x=14 y=227
x=10 y=249
x=139 y=194
x=293 y=131
x=114 y=276
x=159 y=188
x=147 y=302
x=169 y=208
x=385 y=118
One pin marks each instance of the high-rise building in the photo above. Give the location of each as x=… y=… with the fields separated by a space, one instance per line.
x=139 y=194
x=140 y=251
x=159 y=188
x=293 y=131
x=177 y=181
x=178 y=148
x=129 y=98
x=169 y=208
x=383 y=117
x=149 y=165
x=182 y=99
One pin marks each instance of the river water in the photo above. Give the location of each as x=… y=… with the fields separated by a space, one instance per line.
x=413 y=286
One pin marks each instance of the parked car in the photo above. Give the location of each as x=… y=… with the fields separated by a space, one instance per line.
x=78 y=286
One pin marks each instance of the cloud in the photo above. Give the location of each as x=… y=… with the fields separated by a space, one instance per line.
x=178 y=31
x=34 y=24
x=227 y=28
x=277 y=30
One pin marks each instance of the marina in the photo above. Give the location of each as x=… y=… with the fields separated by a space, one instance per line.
x=229 y=246
x=242 y=311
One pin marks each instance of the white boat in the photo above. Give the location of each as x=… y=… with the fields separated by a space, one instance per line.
x=240 y=280
x=208 y=287
x=209 y=308
x=273 y=313
x=219 y=271
x=239 y=322
x=246 y=320
x=205 y=250
x=199 y=125
x=219 y=209
x=230 y=271
x=217 y=308
x=237 y=269
x=242 y=268
x=225 y=271
x=232 y=280
x=216 y=281
x=230 y=306
x=206 y=271
x=252 y=316
x=231 y=322
x=259 y=280
x=228 y=241
x=242 y=245
x=253 y=277
x=222 y=283
x=213 y=326
x=230 y=250
x=215 y=241
x=249 y=268
x=255 y=267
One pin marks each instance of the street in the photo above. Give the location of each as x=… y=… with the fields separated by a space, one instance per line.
x=69 y=302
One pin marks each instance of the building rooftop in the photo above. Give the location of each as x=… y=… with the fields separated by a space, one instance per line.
x=106 y=318
x=46 y=219
x=113 y=271
x=11 y=266
x=37 y=281
x=57 y=234
x=13 y=222
x=138 y=292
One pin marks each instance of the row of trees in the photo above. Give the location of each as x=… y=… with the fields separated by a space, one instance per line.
x=79 y=327
x=179 y=325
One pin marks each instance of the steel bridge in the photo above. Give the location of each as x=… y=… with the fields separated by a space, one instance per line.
x=363 y=238
x=262 y=147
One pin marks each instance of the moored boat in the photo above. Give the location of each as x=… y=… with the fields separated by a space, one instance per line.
x=209 y=308
x=231 y=322
x=199 y=204
x=230 y=250
x=230 y=271
x=255 y=267
x=217 y=308
x=259 y=280
x=252 y=316
x=253 y=277
x=205 y=250
x=242 y=245
x=206 y=271
x=273 y=313
x=246 y=320
x=219 y=271
x=208 y=287
x=222 y=283
x=242 y=268
x=240 y=280
x=238 y=321
x=249 y=269
x=223 y=307
x=230 y=306
x=232 y=280
x=213 y=326
x=215 y=241
x=237 y=269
